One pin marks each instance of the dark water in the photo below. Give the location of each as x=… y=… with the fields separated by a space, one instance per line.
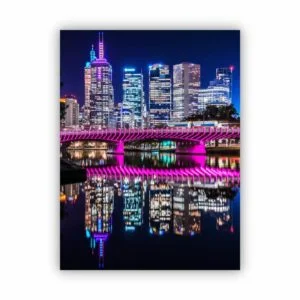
x=151 y=222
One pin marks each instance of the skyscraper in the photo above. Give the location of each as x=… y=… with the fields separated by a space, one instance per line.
x=186 y=86
x=87 y=87
x=72 y=112
x=159 y=94
x=133 y=95
x=219 y=91
x=224 y=77
x=217 y=95
x=99 y=95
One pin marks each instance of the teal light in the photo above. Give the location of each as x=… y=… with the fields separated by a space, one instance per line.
x=129 y=69
x=87 y=233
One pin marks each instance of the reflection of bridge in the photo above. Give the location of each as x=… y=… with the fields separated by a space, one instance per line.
x=198 y=135
x=202 y=172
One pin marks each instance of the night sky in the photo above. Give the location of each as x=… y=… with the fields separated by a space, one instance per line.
x=138 y=49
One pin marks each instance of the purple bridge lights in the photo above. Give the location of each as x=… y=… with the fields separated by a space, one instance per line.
x=212 y=174
x=198 y=136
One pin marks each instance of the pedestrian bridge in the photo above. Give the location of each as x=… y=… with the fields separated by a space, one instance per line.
x=198 y=135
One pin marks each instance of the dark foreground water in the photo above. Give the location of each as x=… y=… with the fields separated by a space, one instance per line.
x=132 y=221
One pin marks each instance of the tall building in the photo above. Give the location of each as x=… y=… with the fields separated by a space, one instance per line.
x=159 y=95
x=224 y=77
x=217 y=95
x=219 y=91
x=87 y=87
x=186 y=86
x=72 y=112
x=99 y=94
x=117 y=116
x=133 y=95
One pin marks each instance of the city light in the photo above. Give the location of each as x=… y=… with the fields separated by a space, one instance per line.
x=129 y=69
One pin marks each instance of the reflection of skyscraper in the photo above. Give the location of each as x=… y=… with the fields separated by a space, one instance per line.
x=98 y=89
x=159 y=94
x=186 y=86
x=99 y=198
x=70 y=192
x=133 y=95
x=160 y=214
x=187 y=216
x=133 y=195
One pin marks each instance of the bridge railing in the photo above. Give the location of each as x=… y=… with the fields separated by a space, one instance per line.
x=172 y=132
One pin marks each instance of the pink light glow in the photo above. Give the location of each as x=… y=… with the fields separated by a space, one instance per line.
x=197 y=135
x=204 y=172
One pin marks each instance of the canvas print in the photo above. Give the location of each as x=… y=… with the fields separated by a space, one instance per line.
x=149 y=150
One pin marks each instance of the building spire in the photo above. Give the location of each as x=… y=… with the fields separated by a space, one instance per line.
x=101 y=46
x=92 y=54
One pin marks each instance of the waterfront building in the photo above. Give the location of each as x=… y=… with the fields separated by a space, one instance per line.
x=72 y=112
x=99 y=94
x=117 y=116
x=133 y=96
x=62 y=103
x=219 y=91
x=81 y=115
x=127 y=118
x=224 y=77
x=186 y=86
x=159 y=95
x=214 y=94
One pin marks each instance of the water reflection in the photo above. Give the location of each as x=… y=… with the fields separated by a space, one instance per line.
x=151 y=206
x=155 y=159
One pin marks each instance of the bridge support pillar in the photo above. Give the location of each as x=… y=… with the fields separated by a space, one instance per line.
x=199 y=149
x=195 y=149
x=120 y=148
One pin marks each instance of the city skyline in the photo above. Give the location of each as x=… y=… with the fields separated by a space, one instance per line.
x=210 y=56
x=152 y=152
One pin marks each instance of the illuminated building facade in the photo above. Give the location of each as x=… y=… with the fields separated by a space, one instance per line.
x=62 y=102
x=133 y=95
x=186 y=86
x=127 y=118
x=117 y=116
x=216 y=95
x=159 y=95
x=87 y=87
x=99 y=94
x=72 y=112
x=224 y=77
x=219 y=91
